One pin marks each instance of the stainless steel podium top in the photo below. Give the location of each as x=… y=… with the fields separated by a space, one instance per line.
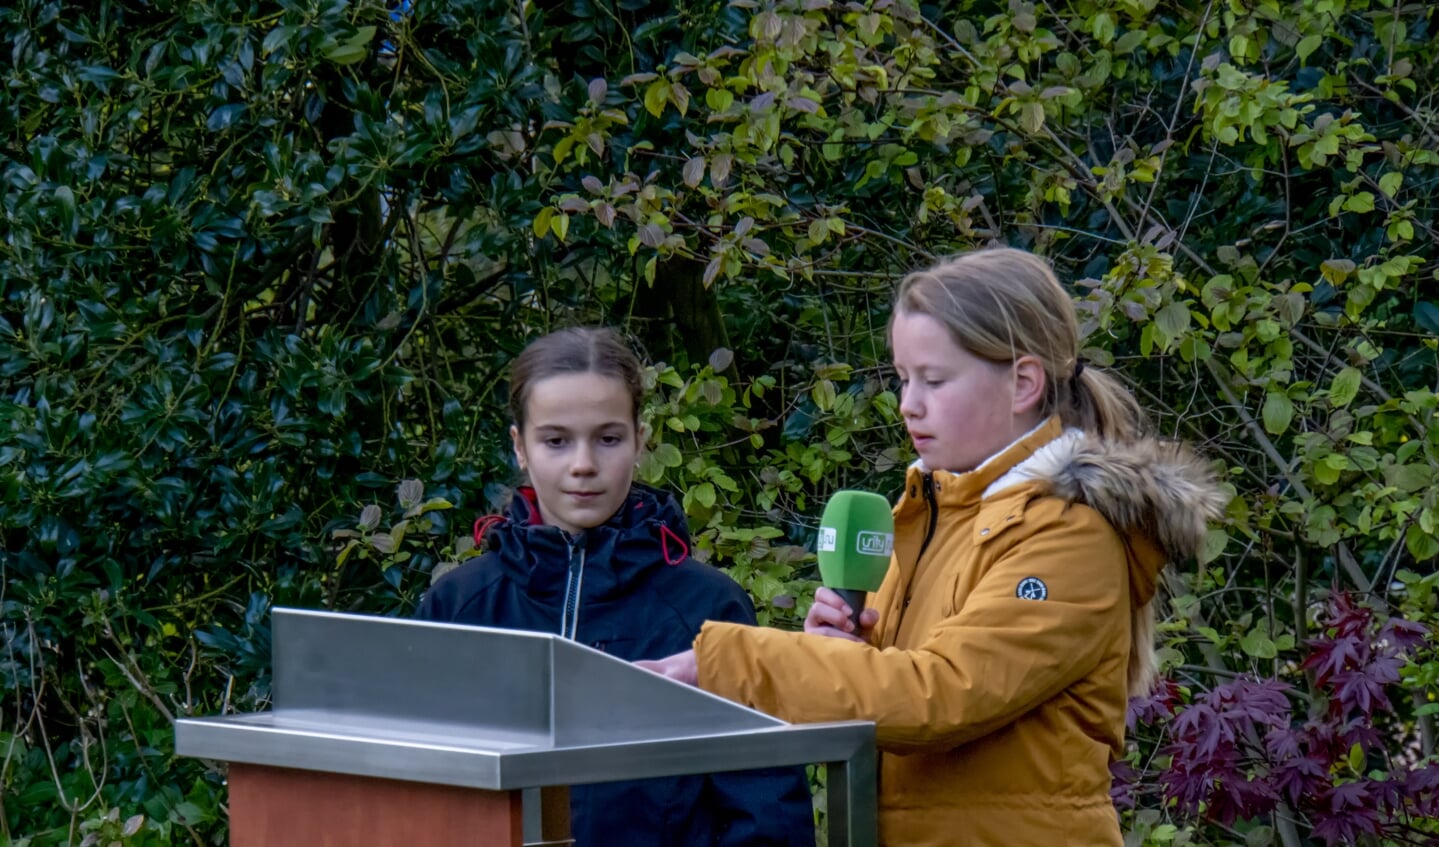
x=494 y=709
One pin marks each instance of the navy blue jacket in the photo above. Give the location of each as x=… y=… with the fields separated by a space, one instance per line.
x=629 y=588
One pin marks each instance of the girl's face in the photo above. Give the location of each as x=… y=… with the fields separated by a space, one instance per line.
x=579 y=446
x=960 y=409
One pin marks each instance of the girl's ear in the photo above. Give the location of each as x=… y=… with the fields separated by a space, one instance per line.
x=519 y=447
x=1029 y=385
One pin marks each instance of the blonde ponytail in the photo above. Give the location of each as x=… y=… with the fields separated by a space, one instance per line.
x=1099 y=404
x=1143 y=666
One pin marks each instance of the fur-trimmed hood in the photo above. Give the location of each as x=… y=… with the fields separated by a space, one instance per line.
x=1160 y=495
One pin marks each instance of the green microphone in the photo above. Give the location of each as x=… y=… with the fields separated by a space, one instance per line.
x=856 y=536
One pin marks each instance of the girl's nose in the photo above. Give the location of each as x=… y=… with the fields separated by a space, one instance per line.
x=584 y=463
x=909 y=405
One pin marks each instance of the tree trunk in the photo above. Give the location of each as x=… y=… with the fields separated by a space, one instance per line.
x=694 y=307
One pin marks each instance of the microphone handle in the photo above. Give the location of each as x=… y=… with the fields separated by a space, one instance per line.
x=854 y=598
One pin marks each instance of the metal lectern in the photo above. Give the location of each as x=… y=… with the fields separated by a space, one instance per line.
x=387 y=731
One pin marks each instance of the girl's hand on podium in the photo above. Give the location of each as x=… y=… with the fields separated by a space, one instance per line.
x=681 y=667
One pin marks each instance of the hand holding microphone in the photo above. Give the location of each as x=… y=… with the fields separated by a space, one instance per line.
x=856 y=537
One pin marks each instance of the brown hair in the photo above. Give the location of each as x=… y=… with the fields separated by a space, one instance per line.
x=575 y=350
x=1002 y=303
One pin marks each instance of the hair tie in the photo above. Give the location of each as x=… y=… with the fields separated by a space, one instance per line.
x=1074 y=381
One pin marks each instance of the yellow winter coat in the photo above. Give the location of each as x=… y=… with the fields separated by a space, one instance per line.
x=997 y=673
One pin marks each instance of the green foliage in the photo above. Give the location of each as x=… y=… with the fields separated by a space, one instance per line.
x=263 y=262
x=753 y=500
x=1420 y=603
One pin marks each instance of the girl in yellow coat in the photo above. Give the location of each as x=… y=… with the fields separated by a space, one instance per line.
x=1016 y=618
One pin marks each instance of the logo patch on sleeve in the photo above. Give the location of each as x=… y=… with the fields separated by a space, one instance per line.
x=1032 y=588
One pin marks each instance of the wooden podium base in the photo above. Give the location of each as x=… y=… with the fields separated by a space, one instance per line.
x=284 y=807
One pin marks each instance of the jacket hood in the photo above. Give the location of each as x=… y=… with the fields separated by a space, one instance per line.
x=649 y=531
x=1159 y=495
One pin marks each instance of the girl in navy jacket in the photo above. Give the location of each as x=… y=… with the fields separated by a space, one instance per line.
x=585 y=552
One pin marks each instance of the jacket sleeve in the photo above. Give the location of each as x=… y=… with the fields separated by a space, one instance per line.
x=973 y=672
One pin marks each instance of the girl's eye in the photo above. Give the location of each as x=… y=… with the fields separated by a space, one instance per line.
x=610 y=440
x=933 y=383
x=554 y=442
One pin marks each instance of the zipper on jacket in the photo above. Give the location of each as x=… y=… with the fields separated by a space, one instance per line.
x=933 y=503
x=574 y=584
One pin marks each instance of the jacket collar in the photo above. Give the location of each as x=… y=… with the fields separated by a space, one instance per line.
x=969 y=487
x=648 y=532
x=1158 y=495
